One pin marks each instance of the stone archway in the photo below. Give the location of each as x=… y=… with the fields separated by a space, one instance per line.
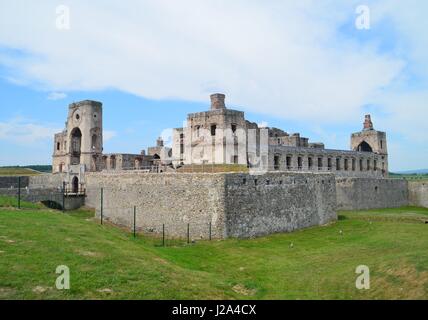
x=76 y=146
x=75 y=185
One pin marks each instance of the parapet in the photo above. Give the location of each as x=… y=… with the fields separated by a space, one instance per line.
x=91 y=103
x=217 y=101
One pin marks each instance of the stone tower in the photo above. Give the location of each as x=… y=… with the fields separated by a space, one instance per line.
x=79 y=147
x=371 y=140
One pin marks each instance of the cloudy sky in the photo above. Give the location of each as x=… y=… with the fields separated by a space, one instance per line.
x=303 y=66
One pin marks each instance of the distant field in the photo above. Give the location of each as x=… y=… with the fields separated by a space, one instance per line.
x=409 y=176
x=18 y=172
x=316 y=263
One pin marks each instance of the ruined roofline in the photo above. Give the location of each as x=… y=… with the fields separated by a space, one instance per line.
x=92 y=103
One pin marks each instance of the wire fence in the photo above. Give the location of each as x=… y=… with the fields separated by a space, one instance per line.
x=142 y=216
x=18 y=194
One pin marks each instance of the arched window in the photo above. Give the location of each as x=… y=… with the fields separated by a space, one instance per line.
x=76 y=144
x=364 y=147
x=94 y=142
x=75 y=185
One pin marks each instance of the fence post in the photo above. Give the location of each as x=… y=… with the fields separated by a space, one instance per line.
x=135 y=218
x=210 y=231
x=163 y=235
x=19 y=192
x=63 y=196
x=188 y=233
x=102 y=203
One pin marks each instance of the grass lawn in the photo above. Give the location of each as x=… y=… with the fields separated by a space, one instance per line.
x=18 y=172
x=107 y=263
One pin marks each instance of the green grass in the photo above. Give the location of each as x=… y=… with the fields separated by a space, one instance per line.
x=8 y=202
x=17 y=171
x=107 y=263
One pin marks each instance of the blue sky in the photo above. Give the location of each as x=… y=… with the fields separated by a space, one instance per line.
x=302 y=66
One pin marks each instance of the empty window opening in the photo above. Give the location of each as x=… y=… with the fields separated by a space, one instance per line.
x=75 y=185
x=288 y=160
x=233 y=128
x=329 y=164
x=310 y=163
x=94 y=142
x=353 y=164
x=365 y=147
x=346 y=165
x=361 y=165
x=300 y=163
x=338 y=164
x=113 y=162
x=213 y=129
x=276 y=162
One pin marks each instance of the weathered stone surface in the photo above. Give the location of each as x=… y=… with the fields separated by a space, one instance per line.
x=232 y=203
x=366 y=193
x=418 y=193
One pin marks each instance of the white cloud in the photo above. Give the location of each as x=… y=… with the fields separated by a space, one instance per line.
x=283 y=58
x=57 y=96
x=108 y=135
x=279 y=57
x=26 y=132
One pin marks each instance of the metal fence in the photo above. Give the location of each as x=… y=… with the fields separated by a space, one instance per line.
x=161 y=229
x=19 y=195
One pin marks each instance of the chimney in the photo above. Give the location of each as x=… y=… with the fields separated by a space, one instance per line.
x=217 y=101
x=368 y=124
x=159 y=142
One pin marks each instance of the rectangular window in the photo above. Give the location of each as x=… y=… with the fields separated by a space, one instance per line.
x=353 y=165
x=213 y=129
x=319 y=163
x=338 y=164
x=288 y=163
x=329 y=164
x=375 y=165
x=276 y=162
x=300 y=163
x=368 y=164
x=361 y=165
x=346 y=165
x=310 y=163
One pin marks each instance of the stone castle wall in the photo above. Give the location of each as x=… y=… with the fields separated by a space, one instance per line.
x=368 y=193
x=278 y=202
x=171 y=199
x=418 y=193
x=236 y=205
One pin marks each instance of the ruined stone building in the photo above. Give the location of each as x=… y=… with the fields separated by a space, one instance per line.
x=222 y=136
x=79 y=148
x=217 y=136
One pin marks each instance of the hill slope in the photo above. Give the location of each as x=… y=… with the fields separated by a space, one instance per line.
x=106 y=262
